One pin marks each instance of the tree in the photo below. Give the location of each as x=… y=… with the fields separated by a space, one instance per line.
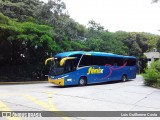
x=158 y=45
x=93 y=26
x=23 y=38
x=152 y=75
x=54 y=13
x=94 y=29
x=19 y=9
x=93 y=44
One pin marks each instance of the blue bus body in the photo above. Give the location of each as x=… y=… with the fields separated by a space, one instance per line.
x=95 y=67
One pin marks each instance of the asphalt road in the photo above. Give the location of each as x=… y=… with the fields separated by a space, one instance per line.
x=116 y=96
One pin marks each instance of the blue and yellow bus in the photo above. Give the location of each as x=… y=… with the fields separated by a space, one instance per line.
x=82 y=68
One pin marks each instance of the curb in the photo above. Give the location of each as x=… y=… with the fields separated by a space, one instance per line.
x=27 y=82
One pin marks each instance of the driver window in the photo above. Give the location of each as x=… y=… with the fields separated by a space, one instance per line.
x=69 y=66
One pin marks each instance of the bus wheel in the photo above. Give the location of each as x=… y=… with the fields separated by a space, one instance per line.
x=124 y=78
x=82 y=81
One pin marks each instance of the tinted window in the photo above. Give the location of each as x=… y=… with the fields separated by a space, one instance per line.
x=70 y=66
x=109 y=60
x=130 y=61
x=76 y=61
x=114 y=61
x=92 y=60
x=86 y=60
x=99 y=60
x=118 y=61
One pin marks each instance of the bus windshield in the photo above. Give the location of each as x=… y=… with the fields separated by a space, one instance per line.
x=57 y=69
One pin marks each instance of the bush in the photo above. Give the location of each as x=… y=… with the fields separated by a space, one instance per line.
x=152 y=75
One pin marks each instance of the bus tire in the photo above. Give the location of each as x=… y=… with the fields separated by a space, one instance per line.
x=124 y=78
x=82 y=81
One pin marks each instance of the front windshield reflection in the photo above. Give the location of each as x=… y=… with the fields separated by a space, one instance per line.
x=69 y=66
x=55 y=68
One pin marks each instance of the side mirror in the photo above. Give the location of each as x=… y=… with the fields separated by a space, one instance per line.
x=52 y=59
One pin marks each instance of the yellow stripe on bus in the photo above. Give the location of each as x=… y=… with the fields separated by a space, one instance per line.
x=48 y=106
x=4 y=107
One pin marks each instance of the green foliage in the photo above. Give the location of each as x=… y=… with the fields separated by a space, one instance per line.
x=77 y=45
x=93 y=44
x=37 y=35
x=152 y=75
x=19 y=9
x=3 y=19
x=106 y=42
x=158 y=45
x=24 y=36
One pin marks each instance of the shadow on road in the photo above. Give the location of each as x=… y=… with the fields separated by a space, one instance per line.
x=94 y=84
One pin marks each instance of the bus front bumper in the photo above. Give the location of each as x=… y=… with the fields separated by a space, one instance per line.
x=59 y=82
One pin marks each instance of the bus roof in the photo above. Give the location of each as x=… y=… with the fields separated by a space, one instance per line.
x=66 y=54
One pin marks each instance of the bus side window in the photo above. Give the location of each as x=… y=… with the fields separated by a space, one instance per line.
x=86 y=60
x=118 y=61
x=99 y=60
x=108 y=61
x=70 y=66
x=115 y=64
x=130 y=61
x=67 y=66
x=125 y=61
